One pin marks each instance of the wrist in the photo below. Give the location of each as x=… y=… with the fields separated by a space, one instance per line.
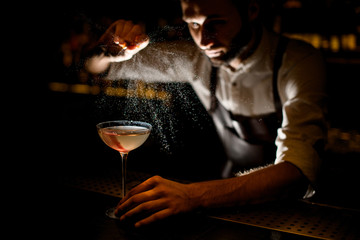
x=196 y=196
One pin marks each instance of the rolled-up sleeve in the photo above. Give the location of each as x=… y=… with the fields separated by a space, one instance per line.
x=303 y=131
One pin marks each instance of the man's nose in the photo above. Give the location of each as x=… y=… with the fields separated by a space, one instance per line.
x=207 y=40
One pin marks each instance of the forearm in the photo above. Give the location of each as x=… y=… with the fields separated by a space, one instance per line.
x=267 y=184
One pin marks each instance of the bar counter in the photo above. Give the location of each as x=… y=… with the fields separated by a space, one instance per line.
x=84 y=200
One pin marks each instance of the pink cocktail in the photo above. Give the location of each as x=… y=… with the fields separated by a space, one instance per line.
x=123 y=136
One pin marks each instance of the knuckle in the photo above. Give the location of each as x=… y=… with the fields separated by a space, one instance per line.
x=156 y=179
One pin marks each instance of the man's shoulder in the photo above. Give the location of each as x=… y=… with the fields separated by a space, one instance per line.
x=299 y=49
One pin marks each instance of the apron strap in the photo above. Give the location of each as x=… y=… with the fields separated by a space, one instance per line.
x=213 y=84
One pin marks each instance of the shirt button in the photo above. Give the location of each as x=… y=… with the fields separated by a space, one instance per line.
x=234 y=84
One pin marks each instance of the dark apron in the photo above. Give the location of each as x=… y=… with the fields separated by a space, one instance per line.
x=248 y=141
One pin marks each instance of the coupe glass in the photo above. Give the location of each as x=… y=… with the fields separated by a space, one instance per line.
x=123 y=136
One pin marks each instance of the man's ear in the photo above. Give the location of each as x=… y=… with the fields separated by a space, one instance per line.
x=253 y=11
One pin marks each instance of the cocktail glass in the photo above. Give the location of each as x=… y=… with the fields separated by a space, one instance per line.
x=123 y=136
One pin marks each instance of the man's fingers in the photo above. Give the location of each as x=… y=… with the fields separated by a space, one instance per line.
x=136 y=191
x=146 y=207
x=130 y=35
x=154 y=217
x=134 y=201
x=127 y=33
x=123 y=39
x=127 y=28
x=122 y=29
x=118 y=36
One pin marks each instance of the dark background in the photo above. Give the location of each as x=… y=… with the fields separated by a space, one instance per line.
x=66 y=143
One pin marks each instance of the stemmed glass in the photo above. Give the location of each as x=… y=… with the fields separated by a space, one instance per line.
x=123 y=136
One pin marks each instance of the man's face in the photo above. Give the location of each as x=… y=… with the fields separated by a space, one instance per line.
x=216 y=27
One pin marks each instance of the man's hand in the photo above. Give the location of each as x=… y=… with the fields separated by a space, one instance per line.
x=158 y=198
x=155 y=199
x=123 y=39
x=120 y=42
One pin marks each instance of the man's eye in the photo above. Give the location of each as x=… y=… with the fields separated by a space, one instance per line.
x=194 y=25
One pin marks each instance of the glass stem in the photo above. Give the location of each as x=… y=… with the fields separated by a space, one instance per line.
x=123 y=173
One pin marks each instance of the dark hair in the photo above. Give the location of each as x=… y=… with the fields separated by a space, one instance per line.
x=266 y=10
x=243 y=5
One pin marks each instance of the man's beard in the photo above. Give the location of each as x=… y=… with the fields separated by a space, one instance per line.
x=237 y=46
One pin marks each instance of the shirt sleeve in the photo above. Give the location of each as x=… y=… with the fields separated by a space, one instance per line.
x=302 y=92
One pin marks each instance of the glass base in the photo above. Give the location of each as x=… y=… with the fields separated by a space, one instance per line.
x=111 y=213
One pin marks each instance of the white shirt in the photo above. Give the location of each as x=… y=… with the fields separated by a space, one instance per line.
x=248 y=89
